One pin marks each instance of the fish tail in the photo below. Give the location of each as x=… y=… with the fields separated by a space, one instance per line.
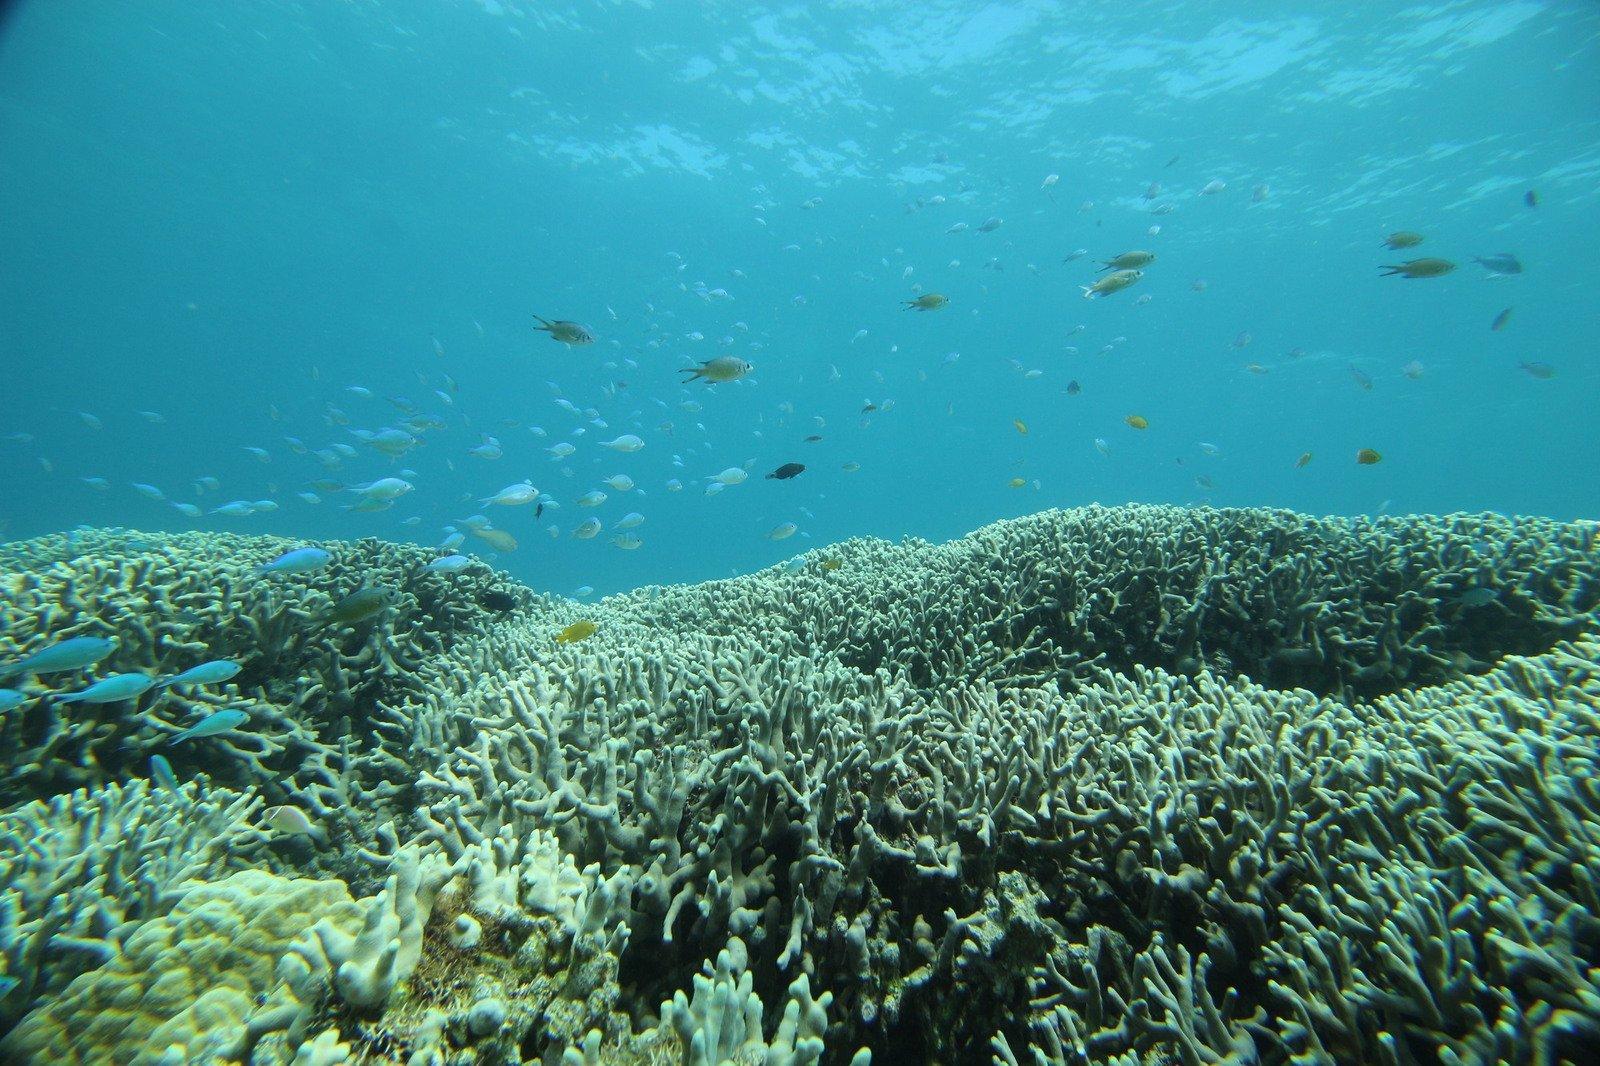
x=1088 y=291
x=1390 y=271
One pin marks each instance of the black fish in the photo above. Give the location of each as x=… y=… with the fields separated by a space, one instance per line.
x=1073 y=388
x=786 y=471
x=1500 y=320
x=497 y=602
x=1531 y=198
x=813 y=438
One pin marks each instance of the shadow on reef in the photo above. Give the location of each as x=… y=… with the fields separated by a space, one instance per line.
x=1107 y=785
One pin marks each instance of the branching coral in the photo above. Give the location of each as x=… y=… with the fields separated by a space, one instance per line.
x=1110 y=785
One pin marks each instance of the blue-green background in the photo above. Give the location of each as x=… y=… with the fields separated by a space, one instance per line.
x=201 y=204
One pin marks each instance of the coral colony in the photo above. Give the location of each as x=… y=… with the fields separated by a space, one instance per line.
x=1120 y=785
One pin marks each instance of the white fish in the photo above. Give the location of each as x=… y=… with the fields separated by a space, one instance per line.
x=1209 y=448
x=308 y=497
x=783 y=531
x=733 y=475
x=560 y=451
x=260 y=453
x=1049 y=180
x=235 y=509
x=1213 y=187
x=620 y=482
x=592 y=498
x=627 y=541
x=627 y=442
x=292 y=821
x=587 y=529
x=1101 y=446
x=148 y=491
x=674 y=485
x=516 y=495
x=187 y=509
x=385 y=488
x=631 y=520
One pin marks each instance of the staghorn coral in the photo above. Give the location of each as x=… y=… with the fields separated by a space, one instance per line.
x=327 y=702
x=1111 y=785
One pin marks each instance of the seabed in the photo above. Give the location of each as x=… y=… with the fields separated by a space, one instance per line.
x=1107 y=785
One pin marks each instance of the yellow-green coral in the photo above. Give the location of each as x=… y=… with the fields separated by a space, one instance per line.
x=181 y=988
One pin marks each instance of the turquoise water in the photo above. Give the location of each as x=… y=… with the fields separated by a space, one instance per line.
x=228 y=214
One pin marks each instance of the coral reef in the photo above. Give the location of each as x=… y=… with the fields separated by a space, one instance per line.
x=1125 y=785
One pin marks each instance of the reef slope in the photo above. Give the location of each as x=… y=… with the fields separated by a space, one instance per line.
x=1119 y=785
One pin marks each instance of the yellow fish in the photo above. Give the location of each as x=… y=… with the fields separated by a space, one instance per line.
x=830 y=565
x=1419 y=268
x=1402 y=239
x=498 y=538
x=931 y=301
x=1115 y=281
x=1305 y=457
x=1022 y=427
x=576 y=631
x=1017 y=482
x=1138 y=421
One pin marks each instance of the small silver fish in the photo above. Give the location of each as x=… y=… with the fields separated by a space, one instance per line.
x=161 y=773
x=211 y=725
x=114 y=689
x=72 y=654
x=209 y=673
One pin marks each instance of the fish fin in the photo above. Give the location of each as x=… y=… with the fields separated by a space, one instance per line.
x=1088 y=292
x=1390 y=271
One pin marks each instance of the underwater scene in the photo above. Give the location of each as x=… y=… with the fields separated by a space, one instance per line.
x=1004 y=532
